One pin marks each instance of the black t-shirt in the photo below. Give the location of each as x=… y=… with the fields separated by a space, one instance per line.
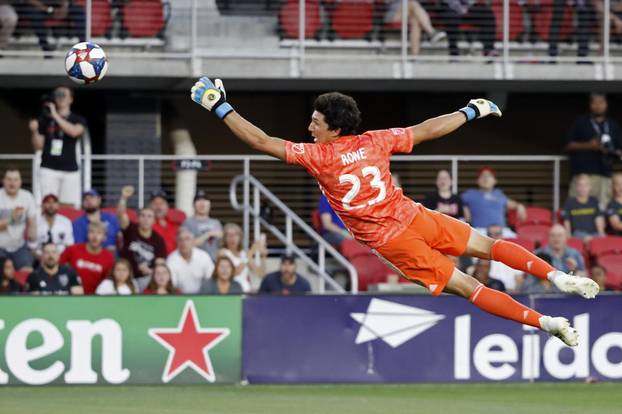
x=451 y=206
x=57 y=284
x=138 y=249
x=614 y=209
x=272 y=283
x=59 y=150
x=582 y=216
x=584 y=129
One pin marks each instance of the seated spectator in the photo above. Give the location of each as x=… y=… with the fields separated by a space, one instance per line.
x=163 y=225
x=582 y=215
x=443 y=200
x=18 y=217
x=221 y=282
x=53 y=227
x=91 y=203
x=418 y=20
x=120 y=282
x=207 y=231
x=333 y=229
x=92 y=262
x=8 y=284
x=248 y=268
x=535 y=285
x=161 y=281
x=511 y=278
x=488 y=205
x=8 y=22
x=285 y=281
x=481 y=272
x=563 y=258
x=51 y=278
x=189 y=265
x=614 y=207
x=599 y=275
x=38 y=12
x=473 y=13
x=141 y=245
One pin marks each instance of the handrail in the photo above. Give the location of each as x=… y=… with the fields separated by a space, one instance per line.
x=286 y=239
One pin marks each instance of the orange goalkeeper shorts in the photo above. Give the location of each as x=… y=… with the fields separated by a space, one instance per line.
x=419 y=252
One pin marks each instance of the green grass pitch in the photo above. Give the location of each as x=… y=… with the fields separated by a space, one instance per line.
x=545 y=398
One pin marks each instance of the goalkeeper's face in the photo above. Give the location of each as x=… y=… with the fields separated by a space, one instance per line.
x=319 y=129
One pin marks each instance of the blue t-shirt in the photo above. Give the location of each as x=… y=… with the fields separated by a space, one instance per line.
x=272 y=283
x=487 y=208
x=81 y=227
x=560 y=262
x=326 y=208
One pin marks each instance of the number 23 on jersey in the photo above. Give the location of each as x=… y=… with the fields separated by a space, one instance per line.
x=375 y=182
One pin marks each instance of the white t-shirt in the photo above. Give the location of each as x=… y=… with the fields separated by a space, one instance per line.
x=504 y=273
x=12 y=238
x=61 y=232
x=187 y=276
x=106 y=287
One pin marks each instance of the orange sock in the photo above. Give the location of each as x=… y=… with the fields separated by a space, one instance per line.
x=501 y=304
x=519 y=258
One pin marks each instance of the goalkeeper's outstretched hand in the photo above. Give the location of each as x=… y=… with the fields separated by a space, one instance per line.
x=479 y=108
x=211 y=96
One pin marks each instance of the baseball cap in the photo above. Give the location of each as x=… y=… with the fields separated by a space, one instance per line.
x=200 y=195
x=288 y=257
x=92 y=192
x=158 y=193
x=487 y=169
x=48 y=197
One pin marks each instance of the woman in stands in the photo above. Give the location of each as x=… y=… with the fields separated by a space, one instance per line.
x=418 y=21
x=121 y=281
x=248 y=271
x=221 y=282
x=8 y=284
x=161 y=281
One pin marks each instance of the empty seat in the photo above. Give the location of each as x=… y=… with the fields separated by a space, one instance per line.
x=600 y=246
x=542 y=20
x=516 y=19
x=538 y=233
x=143 y=18
x=369 y=267
x=101 y=16
x=289 y=17
x=526 y=243
x=613 y=264
x=352 y=19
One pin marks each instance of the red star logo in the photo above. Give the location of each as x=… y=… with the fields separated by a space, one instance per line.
x=188 y=345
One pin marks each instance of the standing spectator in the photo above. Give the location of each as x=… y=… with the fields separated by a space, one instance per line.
x=161 y=281
x=53 y=227
x=221 y=282
x=418 y=21
x=141 y=245
x=511 y=278
x=333 y=229
x=207 y=231
x=51 y=278
x=593 y=142
x=564 y=258
x=91 y=204
x=535 y=285
x=38 y=12
x=582 y=215
x=120 y=282
x=585 y=25
x=443 y=200
x=614 y=207
x=247 y=268
x=478 y=14
x=481 y=272
x=8 y=284
x=488 y=206
x=189 y=265
x=8 y=21
x=92 y=262
x=56 y=134
x=163 y=225
x=17 y=218
x=285 y=281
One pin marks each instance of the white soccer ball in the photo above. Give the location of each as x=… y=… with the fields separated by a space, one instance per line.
x=86 y=63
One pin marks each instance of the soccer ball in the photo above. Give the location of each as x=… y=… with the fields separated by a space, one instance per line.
x=86 y=63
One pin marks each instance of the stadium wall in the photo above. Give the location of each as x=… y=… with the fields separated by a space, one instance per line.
x=310 y=339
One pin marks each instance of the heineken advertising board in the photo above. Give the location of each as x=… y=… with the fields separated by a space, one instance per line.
x=120 y=340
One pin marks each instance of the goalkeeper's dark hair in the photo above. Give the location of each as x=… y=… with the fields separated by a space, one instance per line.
x=340 y=112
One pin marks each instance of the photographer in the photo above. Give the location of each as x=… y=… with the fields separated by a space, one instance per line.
x=593 y=145
x=56 y=133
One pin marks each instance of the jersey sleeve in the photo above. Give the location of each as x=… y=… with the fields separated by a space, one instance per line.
x=307 y=155
x=394 y=140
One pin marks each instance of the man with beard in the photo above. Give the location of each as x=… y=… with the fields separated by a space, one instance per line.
x=53 y=227
x=91 y=203
x=51 y=278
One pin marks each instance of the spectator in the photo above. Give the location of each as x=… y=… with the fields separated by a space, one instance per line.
x=38 y=12
x=333 y=229
x=92 y=262
x=120 y=282
x=91 y=203
x=56 y=134
x=478 y=14
x=511 y=278
x=418 y=20
x=189 y=265
x=53 y=227
x=17 y=218
x=8 y=284
x=206 y=230
x=615 y=17
x=221 y=282
x=248 y=268
x=481 y=272
x=163 y=225
x=599 y=275
x=51 y=278
x=593 y=142
x=582 y=215
x=141 y=245
x=161 y=281
x=614 y=207
x=563 y=258
x=585 y=23
x=8 y=22
x=443 y=199
x=285 y=281
x=535 y=285
x=488 y=205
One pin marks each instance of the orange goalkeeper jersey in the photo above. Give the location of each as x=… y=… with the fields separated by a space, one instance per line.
x=353 y=173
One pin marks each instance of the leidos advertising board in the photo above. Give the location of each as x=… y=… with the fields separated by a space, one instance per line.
x=119 y=340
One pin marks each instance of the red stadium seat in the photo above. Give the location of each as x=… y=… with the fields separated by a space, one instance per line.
x=176 y=215
x=600 y=246
x=21 y=276
x=143 y=18
x=70 y=212
x=542 y=20
x=288 y=19
x=352 y=19
x=538 y=233
x=526 y=243
x=316 y=220
x=131 y=213
x=101 y=16
x=613 y=264
x=516 y=19
x=535 y=215
x=369 y=267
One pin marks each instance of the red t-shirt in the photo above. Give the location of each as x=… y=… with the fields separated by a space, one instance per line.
x=353 y=173
x=92 y=268
x=168 y=233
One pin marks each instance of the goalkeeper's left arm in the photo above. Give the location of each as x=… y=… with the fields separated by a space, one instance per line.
x=212 y=96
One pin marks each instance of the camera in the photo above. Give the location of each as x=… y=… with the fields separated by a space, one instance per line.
x=45 y=100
